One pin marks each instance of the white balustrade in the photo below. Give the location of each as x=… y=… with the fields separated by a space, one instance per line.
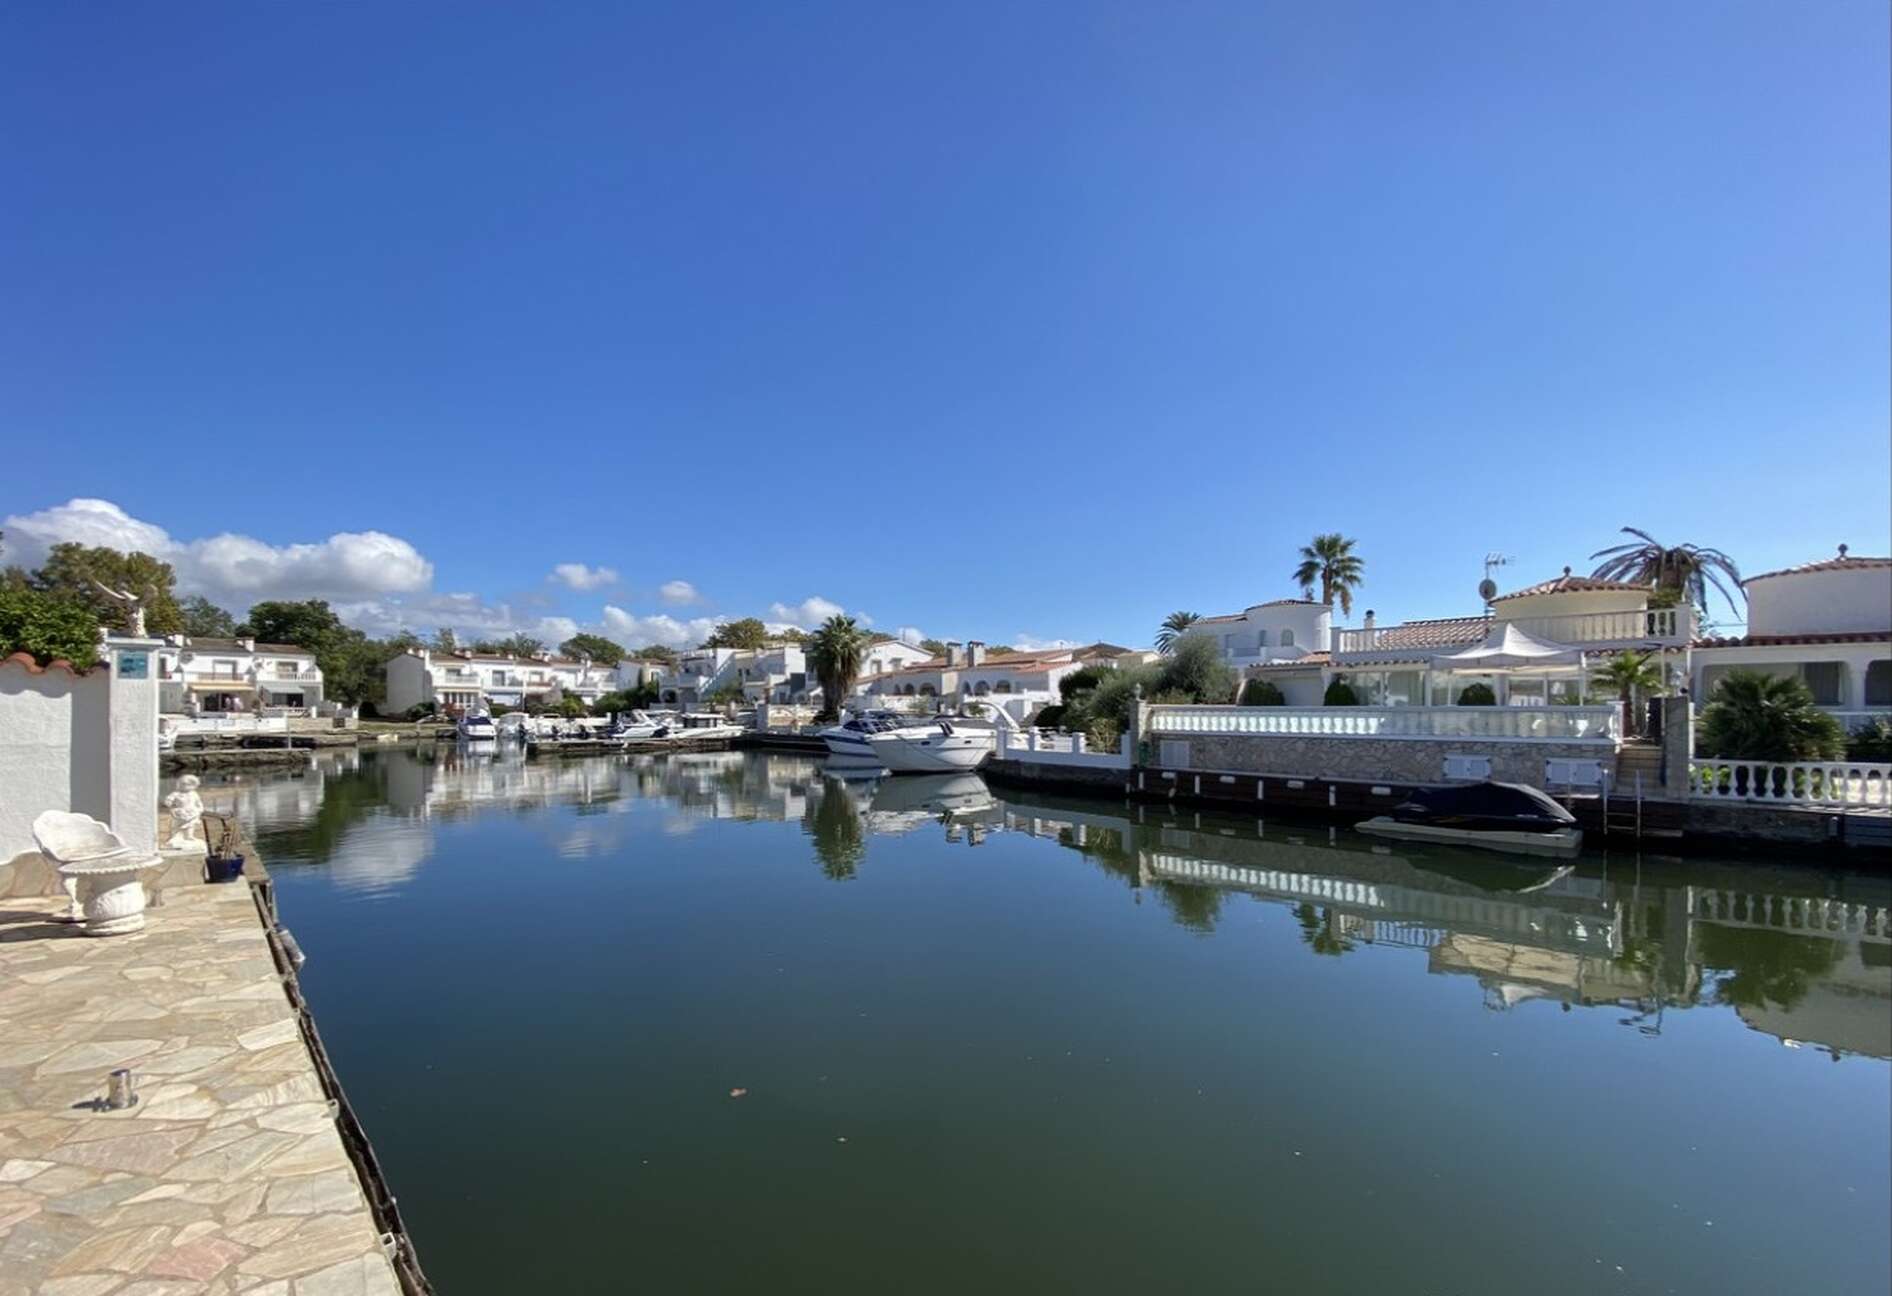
x=1050 y=747
x=1813 y=783
x=1673 y=626
x=1510 y=724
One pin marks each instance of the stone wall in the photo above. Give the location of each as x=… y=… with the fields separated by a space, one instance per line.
x=1391 y=760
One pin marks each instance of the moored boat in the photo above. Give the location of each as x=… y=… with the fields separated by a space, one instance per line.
x=1494 y=816
x=883 y=740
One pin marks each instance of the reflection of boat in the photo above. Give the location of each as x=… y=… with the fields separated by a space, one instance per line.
x=476 y=727
x=1496 y=816
x=880 y=740
x=934 y=794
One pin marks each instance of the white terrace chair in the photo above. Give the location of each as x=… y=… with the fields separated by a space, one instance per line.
x=99 y=870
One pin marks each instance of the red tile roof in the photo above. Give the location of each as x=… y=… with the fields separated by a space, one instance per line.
x=1568 y=584
x=1775 y=641
x=1827 y=564
x=1440 y=632
x=58 y=663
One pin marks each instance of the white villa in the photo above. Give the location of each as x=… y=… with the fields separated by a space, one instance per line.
x=209 y=677
x=1829 y=623
x=777 y=672
x=968 y=670
x=462 y=681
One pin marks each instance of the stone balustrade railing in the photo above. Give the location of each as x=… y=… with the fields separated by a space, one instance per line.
x=1813 y=783
x=1673 y=626
x=1504 y=724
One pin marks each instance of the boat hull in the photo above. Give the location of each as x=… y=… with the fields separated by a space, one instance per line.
x=930 y=751
x=1560 y=844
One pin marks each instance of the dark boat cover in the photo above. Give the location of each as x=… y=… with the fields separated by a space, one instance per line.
x=1485 y=807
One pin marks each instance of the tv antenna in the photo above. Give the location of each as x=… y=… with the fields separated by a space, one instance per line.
x=1488 y=588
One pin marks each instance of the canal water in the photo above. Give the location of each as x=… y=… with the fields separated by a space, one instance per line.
x=720 y=1023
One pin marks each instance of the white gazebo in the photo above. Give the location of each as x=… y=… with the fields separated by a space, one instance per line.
x=1508 y=653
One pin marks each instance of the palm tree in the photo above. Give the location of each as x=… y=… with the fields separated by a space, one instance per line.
x=1684 y=572
x=836 y=651
x=1331 y=562
x=1755 y=716
x=1631 y=673
x=1175 y=626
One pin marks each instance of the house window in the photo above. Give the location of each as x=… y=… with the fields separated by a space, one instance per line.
x=1825 y=680
x=1287 y=638
x=1879 y=683
x=1261 y=639
x=223 y=670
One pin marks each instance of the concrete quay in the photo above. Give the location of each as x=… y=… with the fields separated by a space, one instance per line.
x=233 y=1172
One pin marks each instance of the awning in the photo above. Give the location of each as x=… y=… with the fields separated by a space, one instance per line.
x=281 y=686
x=221 y=686
x=1509 y=648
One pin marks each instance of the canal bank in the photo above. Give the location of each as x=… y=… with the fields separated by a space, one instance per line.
x=239 y=1167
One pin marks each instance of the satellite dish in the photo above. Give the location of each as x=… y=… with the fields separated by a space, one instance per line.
x=1487 y=589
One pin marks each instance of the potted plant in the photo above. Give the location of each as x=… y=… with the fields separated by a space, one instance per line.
x=224 y=862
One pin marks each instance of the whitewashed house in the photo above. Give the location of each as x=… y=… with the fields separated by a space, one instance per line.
x=1283 y=641
x=204 y=677
x=1828 y=623
x=969 y=671
x=469 y=681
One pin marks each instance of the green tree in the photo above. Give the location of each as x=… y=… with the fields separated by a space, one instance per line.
x=48 y=628
x=1755 y=716
x=660 y=653
x=749 y=632
x=516 y=645
x=1329 y=561
x=1261 y=692
x=74 y=572
x=933 y=647
x=1174 y=627
x=603 y=651
x=353 y=666
x=1340 y=693
x=1632 y=675
x=444 y=641
x=1682 y=573
x=204 y=619
x=1195 y=669
x=836 y=650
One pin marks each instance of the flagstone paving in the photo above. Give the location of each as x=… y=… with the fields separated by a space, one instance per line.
x=228 y=1176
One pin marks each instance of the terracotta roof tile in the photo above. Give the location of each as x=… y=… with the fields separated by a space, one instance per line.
x=1774 y=641
x=1568 y=584
x=58 y=663
x=1827 y=564
x=1437 y=633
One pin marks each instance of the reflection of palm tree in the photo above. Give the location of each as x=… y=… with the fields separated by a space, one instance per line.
x=1319 y=929
x=840 y=841
x=1765 y=967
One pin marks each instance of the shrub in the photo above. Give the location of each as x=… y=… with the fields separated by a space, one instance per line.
x=421 y=711
x=1756 y=716
x=1261 y=692
x=1195 y=670
x=1078 y=681
x=1873 y=743
x=48 y=628
x=1049 y=718
x=1340 y=693
x=1477 y=695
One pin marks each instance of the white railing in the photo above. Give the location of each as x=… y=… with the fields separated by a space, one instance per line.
x=1049 y=747
x=1673 y=626
x=1813 y=783
x=1506 y=724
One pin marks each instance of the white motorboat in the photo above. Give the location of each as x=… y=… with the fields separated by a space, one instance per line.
x=639 y=725
x=701 y=726
x=476 y=727
x=907 y=745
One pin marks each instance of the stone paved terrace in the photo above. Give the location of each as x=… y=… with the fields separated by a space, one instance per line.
x=229 y=1175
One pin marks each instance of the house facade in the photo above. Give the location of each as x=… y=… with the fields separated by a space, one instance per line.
x=200 y=676
x=968 y=670
x=457 y=682
x=1827 y=623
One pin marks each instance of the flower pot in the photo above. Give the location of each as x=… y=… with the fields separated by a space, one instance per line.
x=223 y=868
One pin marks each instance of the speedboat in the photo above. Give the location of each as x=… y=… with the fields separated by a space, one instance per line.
x=1496 y=816
x=904 y=745
x=476 y=727
x=638 y=725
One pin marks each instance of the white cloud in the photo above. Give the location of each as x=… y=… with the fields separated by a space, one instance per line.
x=468 y=615
x=909 y=635
x=580 y=577
x=635 y=631
x=555 y=630
x=678 y=593
x=811 y=612
x=1032 y=643
x=234 y=569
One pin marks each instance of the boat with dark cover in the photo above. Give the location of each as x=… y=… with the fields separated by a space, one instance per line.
x=1498 y=816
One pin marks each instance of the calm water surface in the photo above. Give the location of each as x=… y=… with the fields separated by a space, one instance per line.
x=1007 y=1043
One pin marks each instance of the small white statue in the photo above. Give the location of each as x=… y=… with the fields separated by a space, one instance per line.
x=134 y=607
x=187 y=817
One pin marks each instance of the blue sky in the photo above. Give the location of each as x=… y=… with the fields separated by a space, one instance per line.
x=1012 y=322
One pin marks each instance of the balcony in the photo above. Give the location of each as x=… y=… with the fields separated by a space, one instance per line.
x=1504 y=724
x=1654 y=627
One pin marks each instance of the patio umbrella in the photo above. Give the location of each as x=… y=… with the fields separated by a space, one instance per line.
x=1508 y=648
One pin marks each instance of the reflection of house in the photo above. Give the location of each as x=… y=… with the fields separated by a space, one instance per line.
x=459 y=681
x=1849 y=1008
x=210 y=676
x=1829 y=623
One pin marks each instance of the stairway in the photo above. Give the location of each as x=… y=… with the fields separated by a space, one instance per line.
x=1627 y=809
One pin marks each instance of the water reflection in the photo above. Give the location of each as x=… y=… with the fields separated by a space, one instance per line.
x=1802 y=956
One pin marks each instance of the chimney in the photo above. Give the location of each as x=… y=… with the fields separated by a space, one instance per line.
x=1368 y=621
x=249 y=645
x=975 y=652
x=952 y=652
